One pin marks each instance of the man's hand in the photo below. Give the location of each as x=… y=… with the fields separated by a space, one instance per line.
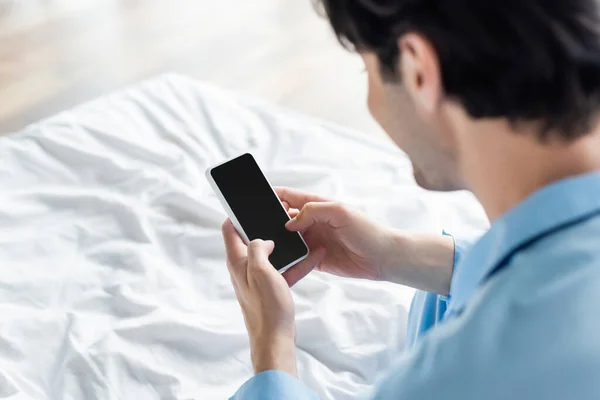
x=356 y=246
x=360 y=248
x=266 y=300
x=342 y=242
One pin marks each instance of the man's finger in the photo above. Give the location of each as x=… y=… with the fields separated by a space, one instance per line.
x=312 y=213
x=295 y=198
x=259 y=252
x=299 y=271
x=293 y=213
x=234 y=245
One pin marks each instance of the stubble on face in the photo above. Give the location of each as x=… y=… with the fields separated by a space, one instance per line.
x=425 y=143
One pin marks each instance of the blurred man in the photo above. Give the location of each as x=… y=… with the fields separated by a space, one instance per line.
x=498 y=97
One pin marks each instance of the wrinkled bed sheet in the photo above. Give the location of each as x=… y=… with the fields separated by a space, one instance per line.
x=112 y=276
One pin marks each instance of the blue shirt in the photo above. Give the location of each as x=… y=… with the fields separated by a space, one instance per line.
x=522 y=319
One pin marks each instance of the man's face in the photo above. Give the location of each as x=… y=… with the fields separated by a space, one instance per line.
x=426 y=139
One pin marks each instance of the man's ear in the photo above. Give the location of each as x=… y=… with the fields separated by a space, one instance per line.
x=420 y=72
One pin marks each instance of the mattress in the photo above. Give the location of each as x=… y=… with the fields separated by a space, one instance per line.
x=112 y=275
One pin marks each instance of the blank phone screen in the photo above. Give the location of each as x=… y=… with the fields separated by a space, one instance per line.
x=258 y=209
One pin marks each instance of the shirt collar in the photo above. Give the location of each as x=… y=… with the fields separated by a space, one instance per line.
x=549 y=209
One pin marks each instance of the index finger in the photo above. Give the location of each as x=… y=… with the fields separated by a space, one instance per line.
x=296 y=198
x=234 y=245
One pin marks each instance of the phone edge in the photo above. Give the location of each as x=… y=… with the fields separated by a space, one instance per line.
x=228 y=210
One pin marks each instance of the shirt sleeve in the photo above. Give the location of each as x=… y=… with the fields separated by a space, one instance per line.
x=462 y=246
x=274 y=385
x=427 y=309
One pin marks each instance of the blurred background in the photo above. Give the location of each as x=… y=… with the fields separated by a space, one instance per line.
x=56 y=54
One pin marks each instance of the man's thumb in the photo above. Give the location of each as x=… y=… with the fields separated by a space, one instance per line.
x=310 y=214
x=259 y=252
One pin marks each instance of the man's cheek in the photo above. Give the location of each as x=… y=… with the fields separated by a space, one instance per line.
x=375 y=103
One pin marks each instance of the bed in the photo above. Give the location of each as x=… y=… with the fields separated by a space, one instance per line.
x=112 y=276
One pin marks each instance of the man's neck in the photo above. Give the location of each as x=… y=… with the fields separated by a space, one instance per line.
x=503 y=167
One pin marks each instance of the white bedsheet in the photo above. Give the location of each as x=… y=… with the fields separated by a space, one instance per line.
x=112 y=275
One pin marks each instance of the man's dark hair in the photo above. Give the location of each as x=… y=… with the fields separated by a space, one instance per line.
x=527 y=60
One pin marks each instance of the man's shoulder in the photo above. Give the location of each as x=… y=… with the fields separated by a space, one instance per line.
x=558 y=260
x=548 y=292
x=574 y=240
x=529 y=332
x=538 y=316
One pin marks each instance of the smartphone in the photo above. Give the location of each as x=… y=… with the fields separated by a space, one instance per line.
x=255 y=210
